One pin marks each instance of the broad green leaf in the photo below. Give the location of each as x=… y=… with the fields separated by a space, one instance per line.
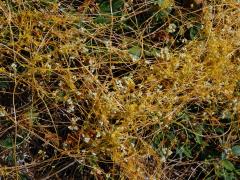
x=227 y=165
x=117 y=5
x=7 y=142
x=4 y=83
x=135 y=51
x=102 y=20
x=194 y=31
x=198 y=135
x=236 y=150
x=186 y=151
x=198 y=139
x=23 y=177
x=158 y=2
x=153 y=52
x=105 y=7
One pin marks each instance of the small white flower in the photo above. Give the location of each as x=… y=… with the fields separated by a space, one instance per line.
x=65 y=145
x=182 y=55
x=82 y=29
x=108 y=43
x=134 y=58
x=148 y=61
x=86 y=139
x=73 y=128
x=78 y=93
x=60 y=84
x=71 y=109
x=123 y=18
x=184 y=40
x=172 y=28
x=69 y=101
x=14 y=66
x=41 y=152
x=85 y=50
x=40 y=23
x=2 y=112
x=126 y=5
x=164 y=150
x=164 y=53
x=227 y=150
x=189 y=25
x=159 y=87
x=163 y=159
x=74 y=78
x=158 y=55
x=48 y=66
x=98 y=134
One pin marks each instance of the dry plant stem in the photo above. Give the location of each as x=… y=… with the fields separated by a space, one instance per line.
x=13 y=98
x=132 y=90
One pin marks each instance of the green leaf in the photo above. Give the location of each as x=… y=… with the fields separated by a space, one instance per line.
x=236 y=150
x=23 y=177
x=156 y=141
x=135 y=51
x=186 y=150
x=158 y=2
x=161 y=16
x=152 y=53
x=193 y=33
x=102 y=20
x=4 y=83
x=198 y=139
x=237 y=172
x=117 y=5
x=227 y=165
x=105 y=7
x=7 y=142
x=198 y=135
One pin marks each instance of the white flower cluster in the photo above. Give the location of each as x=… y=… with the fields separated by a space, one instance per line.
x=134 y=58
x=71 y=107
x=108 y=43
x=86 y=139
x=14 y=66
x=2 y=111
x=73 y=126
x=166 y=153
x=172 y=28
x=164 y=53
x=159 y=88
x=120 y=86
x=123 y=149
